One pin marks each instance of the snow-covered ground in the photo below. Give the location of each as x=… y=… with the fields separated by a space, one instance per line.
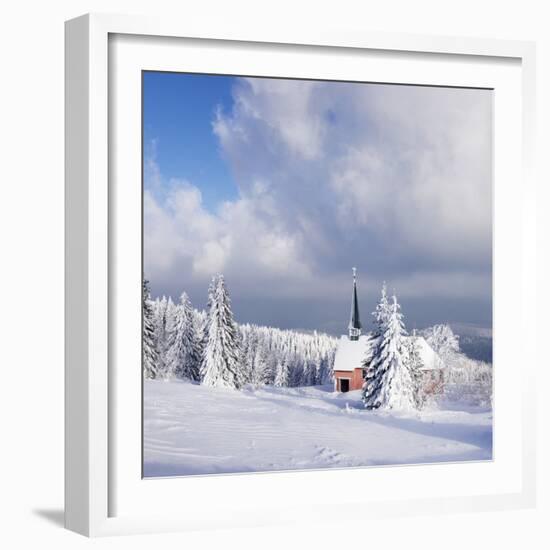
x=192 y=429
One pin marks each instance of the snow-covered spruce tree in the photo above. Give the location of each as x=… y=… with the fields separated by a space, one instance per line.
x=389 y=383
x=271 y=370
x=381 y=314
x=310 y=373
x=260 y=369
x=170 y=316
x=220 y=363
x=325 y=371
x=415 y=364
x=382 y=311
x=184 y=354
x=248 y=352
x=296 y=371
x=282 y=376
x=150 y=356
x=443 y=341
x=200 y=323
x=163 y=314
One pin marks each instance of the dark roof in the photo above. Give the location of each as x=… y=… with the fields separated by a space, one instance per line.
x=354 y=321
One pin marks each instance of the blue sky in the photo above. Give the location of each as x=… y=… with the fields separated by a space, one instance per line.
x=285 y=185
x=178 y=113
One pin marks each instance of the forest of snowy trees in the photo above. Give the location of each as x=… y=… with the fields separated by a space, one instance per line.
x=209 y=347
x=464 y=379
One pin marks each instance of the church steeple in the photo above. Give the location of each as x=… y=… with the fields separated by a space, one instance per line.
x=354 y=321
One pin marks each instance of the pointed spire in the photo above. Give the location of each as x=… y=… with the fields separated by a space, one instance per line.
x=354 y=322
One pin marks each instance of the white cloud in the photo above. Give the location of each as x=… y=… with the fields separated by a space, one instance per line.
x=286 y=109
x=395 y=179
x=184 y=243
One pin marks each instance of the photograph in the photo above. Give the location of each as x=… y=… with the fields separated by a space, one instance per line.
x=317 y=274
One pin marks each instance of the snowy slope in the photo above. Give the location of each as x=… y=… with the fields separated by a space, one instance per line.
x=191 y=429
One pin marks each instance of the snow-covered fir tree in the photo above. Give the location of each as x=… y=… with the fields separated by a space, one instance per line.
x=389 y=383
x=442 y=340
x=164 y=320
x=200 y=321
x=282 y=378
x=260 y=367
x=310 y=373
x=150 y=355
x=324 y=371
x=382 y=311
x=184 y=354
x=248 y=353
x=297 y=377
x=414 y=361
x=220 y=364
x=169 y=334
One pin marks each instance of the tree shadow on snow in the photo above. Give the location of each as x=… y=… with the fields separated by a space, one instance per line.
x=471 y=434
x=481 y=436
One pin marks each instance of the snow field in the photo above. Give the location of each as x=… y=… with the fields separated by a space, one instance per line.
x=192 y=429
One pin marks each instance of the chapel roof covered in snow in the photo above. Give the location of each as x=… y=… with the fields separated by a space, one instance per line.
x=430 y=359
x=351 y=354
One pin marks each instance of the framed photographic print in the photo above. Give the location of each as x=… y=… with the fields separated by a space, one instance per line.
x=298 y=181
x=293 y=277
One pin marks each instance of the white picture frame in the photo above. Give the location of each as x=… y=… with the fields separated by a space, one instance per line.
x=103 y=493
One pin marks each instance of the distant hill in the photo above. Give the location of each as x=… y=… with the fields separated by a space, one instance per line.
x=475 y=342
